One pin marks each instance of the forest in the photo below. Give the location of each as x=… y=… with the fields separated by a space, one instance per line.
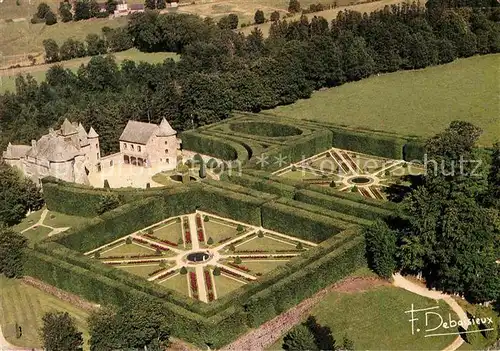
x=221 y=70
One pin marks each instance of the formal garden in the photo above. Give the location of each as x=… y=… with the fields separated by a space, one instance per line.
x=201 y=255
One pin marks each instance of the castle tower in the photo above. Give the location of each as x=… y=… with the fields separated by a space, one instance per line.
x=69 y=132
x=94 y=155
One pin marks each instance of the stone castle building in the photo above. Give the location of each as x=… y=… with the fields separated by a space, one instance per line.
x=71 y=154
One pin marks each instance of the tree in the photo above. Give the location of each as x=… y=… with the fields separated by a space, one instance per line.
x=299 y=338
x=237 y=260
x=19 y=195
x=106 y=184
x=128 y=241
x=161 y=4
x=275 y=16
x=494 y=177
x=203 y=171
x=51 y=51
x=381 y=248
x=150 y=4
x=347 y=344
x=299 y=246
x=59 y=332
x=95 y=45
x=111 y=6
x=42 y=10
x=94 y=8
x=210 y=241
x=12 y=246
x=50 y=18
x=82 y=10
x=259 y=17
x=294 y=6
x=65 y=11
x=183 y=270
x=71 y=49
x=228 y=22
x=216 y=271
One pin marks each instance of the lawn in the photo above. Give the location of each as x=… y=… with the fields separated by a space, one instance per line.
x=142 y=270
x=127 y=250
x=178 y=283
x=219 y=230
x=266 y=244
x=300 y=175
x=262 y=267
x=37 y=234
x=7 y=77
x=26 y=305
x=420 y=102
x=171 y=232
x=224 y=285
x=375 y=319
x=61 y=220
x=28 y=221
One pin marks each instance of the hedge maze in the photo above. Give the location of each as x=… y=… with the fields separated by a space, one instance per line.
x=275 y=240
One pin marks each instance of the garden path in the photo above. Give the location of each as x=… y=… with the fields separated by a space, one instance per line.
x=40 y=224
x=401 y=282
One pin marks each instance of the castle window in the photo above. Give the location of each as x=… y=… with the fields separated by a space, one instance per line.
x=139 y=148
x=166 y=151
x=96 y=146
x=132 y=147
x=167 y=160
x=166 y=142
x=97 y=155
x=125 y=146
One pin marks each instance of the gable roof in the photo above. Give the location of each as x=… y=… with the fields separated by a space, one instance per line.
x=54 y=148
x=15 y=152
x=138 y=132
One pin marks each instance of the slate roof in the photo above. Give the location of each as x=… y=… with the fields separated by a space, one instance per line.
x=93 y=133
x=67 y=128
x=165 y=129
x=54 y=148
x=15 y=152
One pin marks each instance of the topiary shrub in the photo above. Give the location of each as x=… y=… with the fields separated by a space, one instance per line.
x=354 y=189
x=106 y=184
x=158 y=251
x=198 y=160
x=239 y=228
x=206 y=218
x=216 y=271
x=210 y=241
x=97 y=254
x=183 y=270
x=180 y=241
x=237 y=260
x=163 y=264
x=52 y=216
x=332 y=184
x=260 y=234
x=150 y=231
x=148 y=186
x=128 y=240
x=294 y=168
x=232 y=247
x=299 y=246
x=212 y=163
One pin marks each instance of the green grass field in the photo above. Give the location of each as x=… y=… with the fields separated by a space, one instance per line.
x=171 y=231
x=26 y=305
x=37 y=234
x=262 y=267
x=128 y=249
x=177 y=283
x=28 y=221
x=219 y=230
x=421 y=102
x=224 y=285
x=376 y=319
x=8 y=77
x=142 y=270
x=266 y=244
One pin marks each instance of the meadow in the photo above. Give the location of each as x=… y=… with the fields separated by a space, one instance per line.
x=420 y=102
x=8 y=77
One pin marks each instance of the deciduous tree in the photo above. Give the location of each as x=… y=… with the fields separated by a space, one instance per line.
x=259 y=17
x=12 y=246
x=59 y=332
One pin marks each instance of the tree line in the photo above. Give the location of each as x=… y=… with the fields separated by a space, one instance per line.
x=221 y=70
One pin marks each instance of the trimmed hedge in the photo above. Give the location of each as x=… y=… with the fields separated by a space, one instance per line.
x=353 y=208
x=213 y=146
x=128 y=219
x=414 y=150
x=300 y=223
x=368 y=143
x=265 y=185
x=240 y=189
x=305 y=282
x=189 y=326
x=265 y=129
x=85 y=201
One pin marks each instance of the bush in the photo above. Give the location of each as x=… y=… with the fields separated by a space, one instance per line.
x=381 y=249
x=210 y=241
x=97 y=254
x=206 y=219
x=183 y=270
x=158 y=251
x=260 y=234
x=150 y=231
x=216 y=271
x=50 y=18
x=180 y=241
x=299 y=246
x=237 y=260
x=332 y=184
x=354 y=189
x=128 y=240
x=212 y=163
x=231 y=247
x=239 y=228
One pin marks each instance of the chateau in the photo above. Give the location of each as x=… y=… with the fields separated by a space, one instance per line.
x=71 y=154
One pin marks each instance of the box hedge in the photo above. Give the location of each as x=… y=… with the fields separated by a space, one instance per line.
x=300 y=223
x=414 y=151
x=213 y=146
x=368 y=143
x=264 y=185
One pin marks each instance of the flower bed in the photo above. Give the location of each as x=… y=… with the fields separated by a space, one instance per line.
x=201 y=236
x=256 y=257
x=165 y=275
x=250 y=251
x=159 y=247
x=160 y=240
x=245 y=269
x=231 y=273
x=141 y=241
x=112 y=257
x=187 y=233
x=293 y=250
x=211 y=296
x=225 y=239
x=155 y=272
x=193 y=284
x=208 y=280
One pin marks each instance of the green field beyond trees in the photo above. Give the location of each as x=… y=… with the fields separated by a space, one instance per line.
x=420 y=102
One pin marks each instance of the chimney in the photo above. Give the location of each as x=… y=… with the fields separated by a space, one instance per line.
x=33 y=143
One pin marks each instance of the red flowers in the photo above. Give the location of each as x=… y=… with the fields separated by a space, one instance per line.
x=239 y=267
x=166 y=275
x=160 y=240
x=208 y=280
x=201 y=237
x=199 y=228
x=193 y=284
x=187 y=233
